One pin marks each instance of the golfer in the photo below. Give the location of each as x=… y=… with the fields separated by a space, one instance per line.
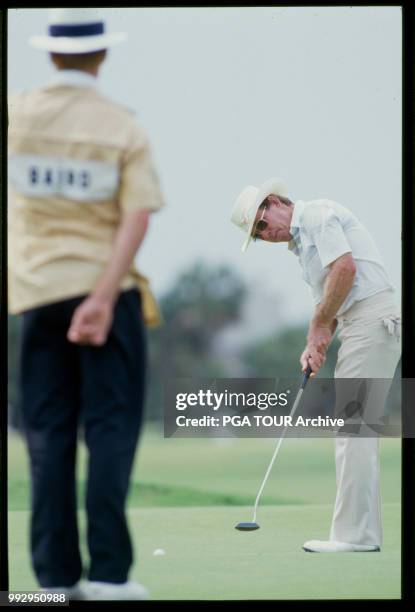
x=82 y=190
x=351 y=290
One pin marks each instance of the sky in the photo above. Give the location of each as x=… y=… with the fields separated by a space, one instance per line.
x=233 y=96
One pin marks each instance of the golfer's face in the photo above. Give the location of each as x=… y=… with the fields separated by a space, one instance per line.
x=272 y=223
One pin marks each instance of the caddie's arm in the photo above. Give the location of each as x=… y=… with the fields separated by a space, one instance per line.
x=92 y=319
x=338 y=284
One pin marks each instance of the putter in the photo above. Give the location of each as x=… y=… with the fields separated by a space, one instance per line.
x=254 y=525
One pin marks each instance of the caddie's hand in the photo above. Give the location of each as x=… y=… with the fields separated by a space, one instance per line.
x=91 y=321
x=313 y=358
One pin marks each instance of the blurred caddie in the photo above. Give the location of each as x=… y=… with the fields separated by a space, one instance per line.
x=82 y=189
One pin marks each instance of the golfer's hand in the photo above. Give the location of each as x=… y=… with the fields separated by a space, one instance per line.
x=313 y=358
x=319 y=336
x=91 y=322
x=314 y=354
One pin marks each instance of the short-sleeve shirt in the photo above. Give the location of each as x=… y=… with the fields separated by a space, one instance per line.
x=322 y=231
x=77 y=163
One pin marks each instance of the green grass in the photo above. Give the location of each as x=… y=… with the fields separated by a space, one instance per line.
x=179 y=471
x=206 y=558
x=186 y=496
x=147 y=495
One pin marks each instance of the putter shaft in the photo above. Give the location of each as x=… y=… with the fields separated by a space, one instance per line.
x=294 y=408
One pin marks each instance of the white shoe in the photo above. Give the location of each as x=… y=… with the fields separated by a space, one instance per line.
x=73 y=592
x=334 y=546
x=103 y=591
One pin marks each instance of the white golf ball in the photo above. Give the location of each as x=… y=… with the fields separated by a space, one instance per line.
x=159 y=552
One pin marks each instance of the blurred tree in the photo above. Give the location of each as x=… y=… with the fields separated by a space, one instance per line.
x=279 y=355
x=201 y=304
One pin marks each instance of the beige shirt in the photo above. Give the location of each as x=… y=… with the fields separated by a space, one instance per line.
x=77 y=163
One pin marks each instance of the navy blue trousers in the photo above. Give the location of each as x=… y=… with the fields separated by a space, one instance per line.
x=64 y=385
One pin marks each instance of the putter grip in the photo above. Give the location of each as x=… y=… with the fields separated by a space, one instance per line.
x=306 y=376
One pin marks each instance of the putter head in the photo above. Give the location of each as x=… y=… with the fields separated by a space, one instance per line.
x=247 y=526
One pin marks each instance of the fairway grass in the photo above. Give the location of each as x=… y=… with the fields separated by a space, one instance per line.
x=207 y=559
x=206 y=472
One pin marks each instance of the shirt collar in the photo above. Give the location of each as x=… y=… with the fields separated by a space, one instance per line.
x=294 y=243
x=299 y=206
x=76 y=78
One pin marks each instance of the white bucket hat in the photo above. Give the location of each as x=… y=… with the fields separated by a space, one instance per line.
x=79 y=30
x=249 y=200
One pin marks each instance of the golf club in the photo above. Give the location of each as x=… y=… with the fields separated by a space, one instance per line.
x=254 y=525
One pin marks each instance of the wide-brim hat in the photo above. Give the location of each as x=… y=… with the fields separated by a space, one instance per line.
x=249 y=200
x=75 y=31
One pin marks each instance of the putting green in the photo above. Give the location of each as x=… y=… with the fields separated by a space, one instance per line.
x=206 y=558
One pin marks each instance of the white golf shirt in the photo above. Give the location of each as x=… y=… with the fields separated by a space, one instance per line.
x=322 y=231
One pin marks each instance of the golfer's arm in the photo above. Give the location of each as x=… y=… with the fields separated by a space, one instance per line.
x=338 y=284
x=128 y=239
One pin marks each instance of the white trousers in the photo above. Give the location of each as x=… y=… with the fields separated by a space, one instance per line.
x=369 y=332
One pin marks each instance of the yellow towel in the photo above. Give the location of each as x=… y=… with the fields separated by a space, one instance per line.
x=151 y=311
